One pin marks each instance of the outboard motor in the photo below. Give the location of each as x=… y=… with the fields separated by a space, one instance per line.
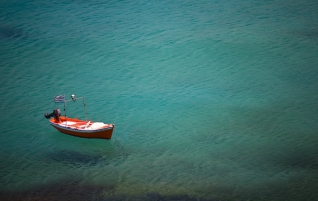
x=56 y=114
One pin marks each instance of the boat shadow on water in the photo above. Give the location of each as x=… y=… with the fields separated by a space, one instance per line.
x=74 y=157
x=90 y=158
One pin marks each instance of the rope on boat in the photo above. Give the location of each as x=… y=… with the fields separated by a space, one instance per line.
x=116 y=142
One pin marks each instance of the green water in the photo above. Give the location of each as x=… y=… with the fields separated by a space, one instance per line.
x=211 y=100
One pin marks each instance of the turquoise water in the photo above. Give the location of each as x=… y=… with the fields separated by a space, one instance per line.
x=212 y=100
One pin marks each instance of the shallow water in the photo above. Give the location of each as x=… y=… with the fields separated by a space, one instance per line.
x=211 y=100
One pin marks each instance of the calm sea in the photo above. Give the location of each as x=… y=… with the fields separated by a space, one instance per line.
x=212 y=100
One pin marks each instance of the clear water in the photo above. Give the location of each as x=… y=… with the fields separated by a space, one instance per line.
x=212 y=100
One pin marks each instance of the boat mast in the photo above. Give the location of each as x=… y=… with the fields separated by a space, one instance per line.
x=61 y=98
x=74 y=99
x=65 y=109
x=84 y=105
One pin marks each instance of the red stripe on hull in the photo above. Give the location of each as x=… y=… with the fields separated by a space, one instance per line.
x=104 y=134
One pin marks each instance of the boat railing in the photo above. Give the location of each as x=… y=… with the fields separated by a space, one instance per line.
x=73 y=100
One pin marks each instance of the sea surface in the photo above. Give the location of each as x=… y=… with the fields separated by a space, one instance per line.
x=212 y=100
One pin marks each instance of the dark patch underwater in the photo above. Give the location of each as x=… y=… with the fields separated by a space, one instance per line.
x=7 y=31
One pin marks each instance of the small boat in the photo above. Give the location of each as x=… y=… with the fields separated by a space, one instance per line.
x=77 y=127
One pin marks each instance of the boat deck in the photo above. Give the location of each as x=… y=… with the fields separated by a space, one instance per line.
x=73 y=123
